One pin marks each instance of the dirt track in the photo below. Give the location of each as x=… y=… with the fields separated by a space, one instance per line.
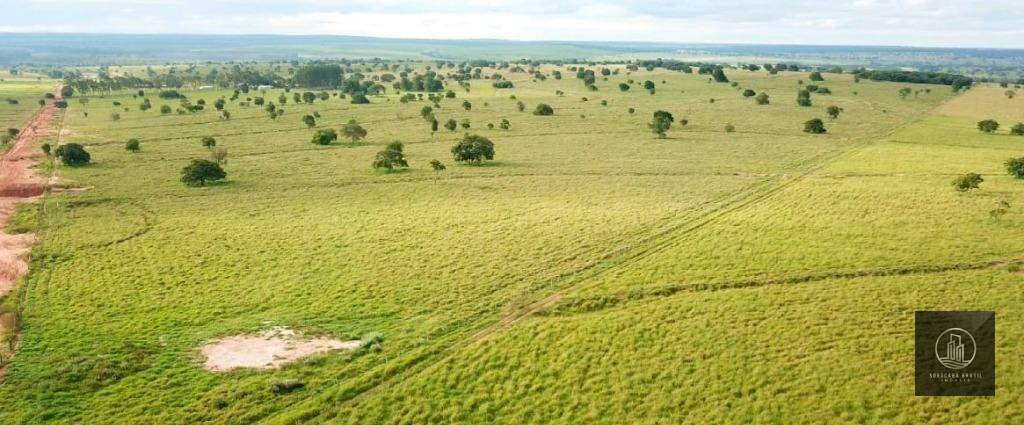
x=18 y=183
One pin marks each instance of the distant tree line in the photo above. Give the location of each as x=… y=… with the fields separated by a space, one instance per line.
x=958 y=82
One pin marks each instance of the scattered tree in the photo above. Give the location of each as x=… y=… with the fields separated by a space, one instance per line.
x=209 y=142
x=833 y=111
x=390 y=157
x=1015 y=166
x=967 y=182
x=473 y=149
x=73 y=154
x=543 y=109
x=352 y=130
x=814 y=126
x=309 y=121
x=1017 y=129
x=219 y=155
x=132 y=145
x=325 y=136
x=988 y=126
x=762 y=99
x=661 y=123
x=816 y=76
x=201 y=171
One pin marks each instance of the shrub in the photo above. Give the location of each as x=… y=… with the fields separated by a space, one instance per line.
x=814 y=126
x=208 y=142
x=325 y=136
x=201 y=171
x=46 y=148
x=390 y=157
x=1017 y=129
x=360 y=99
x=988 y=126
x=473 y=149
x=1015 y=166
x=833 y=111
x=437 y=165
x=748 y=93
x=353 y=131
x=165 y=109
x=803 y=98
x=543 y=109
x=729 y=128
x=73 y=154
x=967 y=182
x=661 y=123
x=762 y=99
x=816 y=76
x=132 y=145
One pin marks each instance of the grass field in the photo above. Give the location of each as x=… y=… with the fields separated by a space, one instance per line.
x=25 y=91
x=743 y=276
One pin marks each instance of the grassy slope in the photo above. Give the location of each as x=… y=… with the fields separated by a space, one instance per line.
x=27 y=90
x=629 y=346
x=131 y=276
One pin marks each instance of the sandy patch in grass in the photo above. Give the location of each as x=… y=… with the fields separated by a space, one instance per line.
x=269 y=350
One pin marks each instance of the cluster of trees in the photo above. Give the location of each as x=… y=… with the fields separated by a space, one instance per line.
x=352 y=130
x=958 y=82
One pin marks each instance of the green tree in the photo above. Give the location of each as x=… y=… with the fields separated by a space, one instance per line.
x=308 y=97
x=749 y=93
x=219 y=104
x=543 y=109
x=325 y=136
x=988 y=126
x=803 y=98
x=661 y=123
x=437 y=166
x=433 y=125
x=390 y=157
x=352 y=130
x=466 y=105
x=208 y=142
x=309 y=120
x=451 y=124
x=719 y=76
x=473 y=149
x=814 y=126
x=73 y=154
x=623 y=87
x=132 y=145
x=505 y=124
x=1017 y=129
x=1015 y=166
x=201 y=171
x=762 y=99
x=967 y=182
x=816 y=76
x=360 y=99
x=833 y=111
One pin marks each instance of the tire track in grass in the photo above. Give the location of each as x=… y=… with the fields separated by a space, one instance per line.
x=426 y=360
x=589 y=304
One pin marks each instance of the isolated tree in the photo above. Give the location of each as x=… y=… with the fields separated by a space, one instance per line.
x=1017 y=129
x=719 y=76
x=325 y=136
x=833 y=111
x=816 y=76
x=165 y=109
x=623 y=87
x=648 y=85
x=505 y=124
x=352 y=130
x=437 y=166
x=762 y=99
x=201 y=171
x=814 y=126
x=209 y=142
x=967 y=182
x=46 y=148
x=451 y=124
x=73 y=154
x=803 y=98
x=1015 y=166
x=132 y=145
x=749 y=93
x=308 y=97
x=543 y=109
x=466 y=105
x=520 y=106
x=988 y=126
x=661 y=123
x=390 y=157
x=427 y=112
x=309 y=121
x=473 y=149
x=433 y=125
x=67 y=91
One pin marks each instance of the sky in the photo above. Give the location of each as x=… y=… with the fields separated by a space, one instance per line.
x=948 y=23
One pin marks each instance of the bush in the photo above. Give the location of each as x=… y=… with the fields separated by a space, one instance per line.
x=201 y=171
x=325 y=136
x=967 y=182
x=1018 y=129
x=814 y=126
x=543 y=109
x=473 y=149
x=390 y=157
x=988 y=126
x=132 y=145
x=748 y=93
x=1015 y=166
x=360 y=99
x=73 y=154
x=762 y=99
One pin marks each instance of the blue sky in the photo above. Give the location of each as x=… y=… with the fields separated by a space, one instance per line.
x=955 y=23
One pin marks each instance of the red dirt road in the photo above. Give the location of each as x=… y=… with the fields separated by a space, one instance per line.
x=19 y=183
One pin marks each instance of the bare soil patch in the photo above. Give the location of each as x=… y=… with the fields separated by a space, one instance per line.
x=268 y=350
